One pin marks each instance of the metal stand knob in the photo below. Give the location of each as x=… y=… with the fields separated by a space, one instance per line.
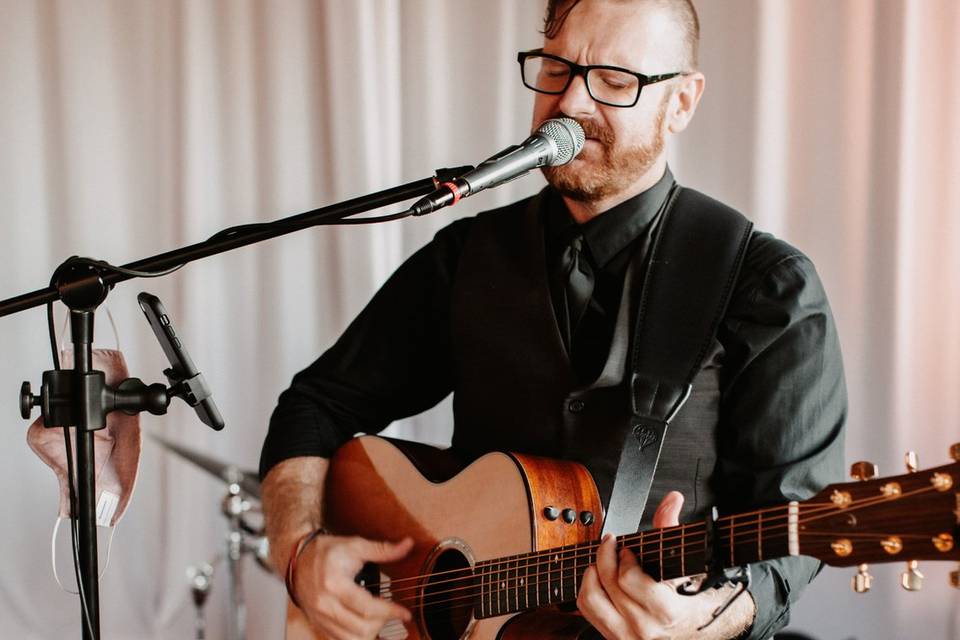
x=200 y=583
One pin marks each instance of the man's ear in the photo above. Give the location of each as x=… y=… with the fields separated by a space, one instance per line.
x=683 y=103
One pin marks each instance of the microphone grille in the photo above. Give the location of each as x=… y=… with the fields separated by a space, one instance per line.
x=567 y=134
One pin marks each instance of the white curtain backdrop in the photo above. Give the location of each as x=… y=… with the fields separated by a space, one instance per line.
x=130 y=127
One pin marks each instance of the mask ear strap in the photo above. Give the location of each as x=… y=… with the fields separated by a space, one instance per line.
x=53 y=554
x=63 y=332
x=53 y=557
x=113 y=326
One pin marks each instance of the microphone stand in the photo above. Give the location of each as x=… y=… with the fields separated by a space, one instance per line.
x=83 y=285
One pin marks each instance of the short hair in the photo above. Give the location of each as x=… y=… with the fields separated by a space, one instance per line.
x=683 y=12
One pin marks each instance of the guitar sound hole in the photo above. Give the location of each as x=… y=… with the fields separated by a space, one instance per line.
x=448 y=596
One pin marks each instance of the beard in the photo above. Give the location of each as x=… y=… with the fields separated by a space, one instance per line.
x=616 y=168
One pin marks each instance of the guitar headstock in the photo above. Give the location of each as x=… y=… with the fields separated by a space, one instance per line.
x=905 y=518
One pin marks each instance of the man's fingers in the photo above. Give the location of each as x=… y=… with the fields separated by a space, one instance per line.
x=596 y=606
x=374 y=551
x=607 y=565
x=631 y=576
x=366 y=605
x=334 y=603
x=668 y=512
x=657 y=599
x=338 y=621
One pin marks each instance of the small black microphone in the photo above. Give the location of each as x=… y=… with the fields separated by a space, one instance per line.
x=556 y=142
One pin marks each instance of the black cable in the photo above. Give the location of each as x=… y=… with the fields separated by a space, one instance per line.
x=387 y=218
x=74 y=533
x=103 y=264
x=258 y=227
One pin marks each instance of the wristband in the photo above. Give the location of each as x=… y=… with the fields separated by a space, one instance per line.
x=288 y=579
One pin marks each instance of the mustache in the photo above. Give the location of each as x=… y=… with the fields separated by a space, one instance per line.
x=597 y=131
x=592 y=129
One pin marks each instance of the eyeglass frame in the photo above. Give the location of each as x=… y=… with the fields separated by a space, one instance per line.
x=579 y=70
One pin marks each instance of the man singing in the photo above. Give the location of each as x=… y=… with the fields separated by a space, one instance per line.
x=516 y=310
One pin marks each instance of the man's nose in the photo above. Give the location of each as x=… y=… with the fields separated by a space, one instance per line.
x=576 y=100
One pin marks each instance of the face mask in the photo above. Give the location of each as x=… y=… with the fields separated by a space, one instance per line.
x=116 y=451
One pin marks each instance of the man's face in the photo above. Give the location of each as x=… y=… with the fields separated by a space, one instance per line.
x=622 y=143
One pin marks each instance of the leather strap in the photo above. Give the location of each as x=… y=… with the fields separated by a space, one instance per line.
x=694 y=263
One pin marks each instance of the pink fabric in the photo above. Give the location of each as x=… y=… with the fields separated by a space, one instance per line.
x=116 y=447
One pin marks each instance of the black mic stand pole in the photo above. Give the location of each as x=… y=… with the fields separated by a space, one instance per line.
x=83 y=284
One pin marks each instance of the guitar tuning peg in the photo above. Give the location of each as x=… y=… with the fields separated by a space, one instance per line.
x=955 y=452
x=955 y=579
x=863 y=470
x=862 y=580
x=912 y=579
x=912 y=461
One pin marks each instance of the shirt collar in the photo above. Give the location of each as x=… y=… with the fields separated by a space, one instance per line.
x=612 y=231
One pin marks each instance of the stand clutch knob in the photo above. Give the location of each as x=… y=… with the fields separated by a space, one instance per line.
x=27 y=400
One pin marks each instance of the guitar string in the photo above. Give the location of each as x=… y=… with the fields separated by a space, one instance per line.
x=655 y=546
x=511 y=595
x=692 y=528
x=847 y=534
x=689 y=530
x=806 y=513
x=692 y=533
x=577 y=572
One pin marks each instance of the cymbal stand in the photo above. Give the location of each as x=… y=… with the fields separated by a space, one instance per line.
x=200 y=582
x=235 y=504
x=241 y=540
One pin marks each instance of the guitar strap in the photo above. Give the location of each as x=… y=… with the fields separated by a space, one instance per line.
x=694 y=263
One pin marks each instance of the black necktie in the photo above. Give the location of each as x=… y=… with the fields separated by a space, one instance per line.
x=576 y=284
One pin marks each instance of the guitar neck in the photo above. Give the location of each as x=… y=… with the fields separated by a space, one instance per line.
x=553 y=576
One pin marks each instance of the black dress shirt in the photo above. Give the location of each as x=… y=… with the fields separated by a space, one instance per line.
x=782 y=390
x=610 y=240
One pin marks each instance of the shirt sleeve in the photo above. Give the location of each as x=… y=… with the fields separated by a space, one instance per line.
x=393 y=361
x=783 y=408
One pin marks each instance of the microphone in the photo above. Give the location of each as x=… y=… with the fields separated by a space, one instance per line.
x=556 y=142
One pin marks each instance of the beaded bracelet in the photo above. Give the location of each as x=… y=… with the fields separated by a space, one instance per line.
x=288 y=579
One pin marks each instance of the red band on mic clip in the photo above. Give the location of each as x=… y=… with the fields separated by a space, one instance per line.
x=454 y=190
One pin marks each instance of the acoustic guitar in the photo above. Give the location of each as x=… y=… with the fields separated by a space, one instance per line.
x=501 y=545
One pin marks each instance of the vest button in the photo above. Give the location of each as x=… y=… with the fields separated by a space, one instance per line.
x=576 y=406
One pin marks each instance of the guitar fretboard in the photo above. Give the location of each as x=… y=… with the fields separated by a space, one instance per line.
x=527 y=581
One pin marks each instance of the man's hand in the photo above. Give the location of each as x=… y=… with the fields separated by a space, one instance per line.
x=325 y=588
x=325 y=570
x=621 y=601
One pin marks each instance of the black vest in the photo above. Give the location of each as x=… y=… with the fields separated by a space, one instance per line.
x=515 y=388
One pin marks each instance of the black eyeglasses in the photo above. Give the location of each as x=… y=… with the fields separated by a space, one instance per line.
x=613 y=86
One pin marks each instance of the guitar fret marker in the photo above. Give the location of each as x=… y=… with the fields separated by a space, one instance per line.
x=516 y=589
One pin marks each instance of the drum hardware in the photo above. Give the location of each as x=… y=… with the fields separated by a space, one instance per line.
x=241 y=507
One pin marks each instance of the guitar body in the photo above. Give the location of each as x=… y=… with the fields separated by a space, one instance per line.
x=387 y=490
